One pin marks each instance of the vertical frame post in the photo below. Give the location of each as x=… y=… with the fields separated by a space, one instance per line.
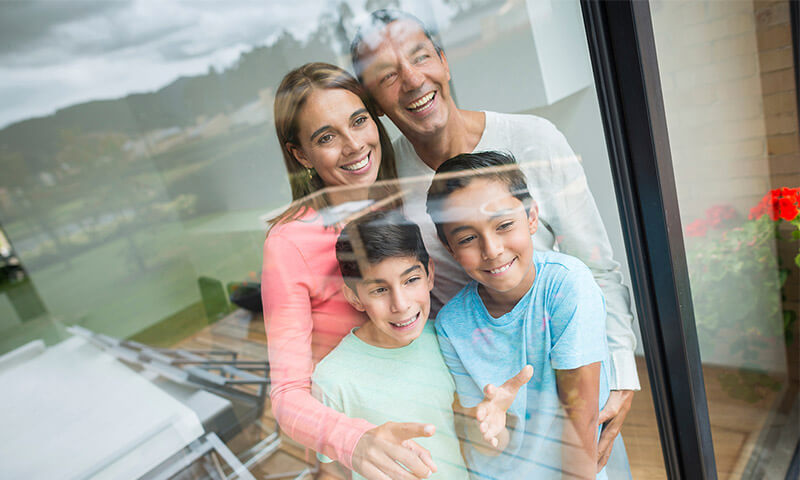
x=623 y=53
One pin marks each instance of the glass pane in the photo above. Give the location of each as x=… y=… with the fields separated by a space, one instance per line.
x=142 y=173
x=730 y=98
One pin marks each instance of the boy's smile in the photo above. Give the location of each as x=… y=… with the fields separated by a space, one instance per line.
x=489 y=233
x=395 y=294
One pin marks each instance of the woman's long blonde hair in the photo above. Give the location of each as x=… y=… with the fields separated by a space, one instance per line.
x=294 y=90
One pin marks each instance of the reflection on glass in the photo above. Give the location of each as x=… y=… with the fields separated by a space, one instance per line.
x=136 y=215
x=726 y=71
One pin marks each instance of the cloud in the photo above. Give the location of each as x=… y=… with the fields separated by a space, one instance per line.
x=64 y=52
x=26 y=25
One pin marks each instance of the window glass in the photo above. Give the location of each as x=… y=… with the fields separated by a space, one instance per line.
x=729 y=94
x=144 y=151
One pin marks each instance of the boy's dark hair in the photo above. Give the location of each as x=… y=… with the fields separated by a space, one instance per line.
x=459 y=171
x=375 y=24
x=375 y=237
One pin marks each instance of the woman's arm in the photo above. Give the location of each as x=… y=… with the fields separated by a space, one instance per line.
x=286 y=286
x=578 y=390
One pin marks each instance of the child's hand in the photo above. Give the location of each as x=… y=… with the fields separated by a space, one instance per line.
x=491 y=412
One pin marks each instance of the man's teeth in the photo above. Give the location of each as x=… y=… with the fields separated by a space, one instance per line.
x=409 y=322
x=358 y=165
x=501 y=269
x=421 y=101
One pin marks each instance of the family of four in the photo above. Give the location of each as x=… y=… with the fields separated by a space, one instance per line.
x=472 y=323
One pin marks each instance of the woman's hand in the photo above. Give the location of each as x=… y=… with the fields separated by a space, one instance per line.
x=491 y=412
x=379 y=450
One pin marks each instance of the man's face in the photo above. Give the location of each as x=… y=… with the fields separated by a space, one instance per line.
x=407 y=78
x=395 y=294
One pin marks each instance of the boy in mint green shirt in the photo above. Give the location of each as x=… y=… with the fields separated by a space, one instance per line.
x=391 y=369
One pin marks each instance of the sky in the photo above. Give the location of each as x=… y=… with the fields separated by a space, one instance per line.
x=56 y=53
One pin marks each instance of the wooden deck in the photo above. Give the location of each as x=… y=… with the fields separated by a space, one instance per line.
x=735 y=424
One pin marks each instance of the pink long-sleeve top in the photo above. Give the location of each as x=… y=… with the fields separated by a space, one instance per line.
x=306 y=315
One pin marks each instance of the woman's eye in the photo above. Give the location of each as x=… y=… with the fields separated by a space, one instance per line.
x=360 y=120
x=412 y=279
x=327 y=138
x=378 y=291
x=421 y=58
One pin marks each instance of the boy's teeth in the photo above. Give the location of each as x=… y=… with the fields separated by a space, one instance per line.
x=405 y=324
x=357 y=165
x=503 y=268
x=422 y=101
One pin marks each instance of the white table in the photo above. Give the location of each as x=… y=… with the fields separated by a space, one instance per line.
x=76 y=412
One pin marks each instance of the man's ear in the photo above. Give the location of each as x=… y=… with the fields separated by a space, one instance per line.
x=533 y=218
x=298 y=154
x=352 y=298
x=444 y=62
x=430 y=274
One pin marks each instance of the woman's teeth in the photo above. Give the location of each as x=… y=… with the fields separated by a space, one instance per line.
x=358 y=165
x=421 y=102
x=501 y=269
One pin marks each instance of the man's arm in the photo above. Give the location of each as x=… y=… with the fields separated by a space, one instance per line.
x=567 y=207
x=578 y=390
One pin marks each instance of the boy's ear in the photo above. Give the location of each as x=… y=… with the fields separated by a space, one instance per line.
x=533 y=218
x=430 y=274
x=352 y=298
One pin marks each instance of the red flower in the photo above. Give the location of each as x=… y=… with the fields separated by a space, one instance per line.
x=788 y=208
x=778 y=203
x=717 y=214
x=698 y=228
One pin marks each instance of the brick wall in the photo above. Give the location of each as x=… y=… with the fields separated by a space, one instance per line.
x=776 y=62
x=728 y=83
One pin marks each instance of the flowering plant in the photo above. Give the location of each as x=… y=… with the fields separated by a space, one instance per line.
x=736 y=279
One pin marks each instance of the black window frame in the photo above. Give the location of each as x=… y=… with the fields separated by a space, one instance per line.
x=624 y=63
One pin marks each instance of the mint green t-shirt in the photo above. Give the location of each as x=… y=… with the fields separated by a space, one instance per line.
x=406 y=384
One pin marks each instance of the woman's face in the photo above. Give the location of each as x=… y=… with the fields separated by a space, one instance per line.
x=338 y=138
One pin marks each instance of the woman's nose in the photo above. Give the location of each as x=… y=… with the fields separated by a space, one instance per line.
x=352 y=143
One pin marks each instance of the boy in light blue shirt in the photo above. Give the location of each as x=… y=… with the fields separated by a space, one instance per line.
x=522 y=308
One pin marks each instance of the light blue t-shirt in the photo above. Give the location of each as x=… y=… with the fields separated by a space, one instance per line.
x=558 y=325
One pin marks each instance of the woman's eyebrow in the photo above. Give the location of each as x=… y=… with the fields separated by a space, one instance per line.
x=358 y=112
x=318 y=131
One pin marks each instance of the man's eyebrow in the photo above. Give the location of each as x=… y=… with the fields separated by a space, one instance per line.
x=416 y=48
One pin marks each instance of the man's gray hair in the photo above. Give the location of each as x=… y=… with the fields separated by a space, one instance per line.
x=370 y=32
